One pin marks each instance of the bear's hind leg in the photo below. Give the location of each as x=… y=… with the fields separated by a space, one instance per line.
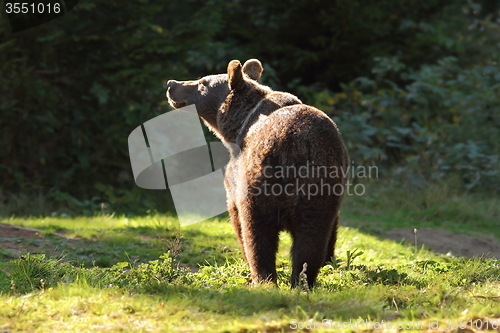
x=260 y=238
x=330 y=250
x=310 y=248
x=312 y=234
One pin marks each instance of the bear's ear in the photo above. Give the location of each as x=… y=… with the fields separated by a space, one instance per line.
x=235 y=74
x=253 y=68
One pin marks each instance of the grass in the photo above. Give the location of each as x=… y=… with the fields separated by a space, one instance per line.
x=104 y=240
x=202 y=284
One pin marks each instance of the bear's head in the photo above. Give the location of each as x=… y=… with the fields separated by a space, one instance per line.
x=209 y=92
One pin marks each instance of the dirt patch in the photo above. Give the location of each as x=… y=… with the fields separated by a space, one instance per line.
x=15 y=240
x=12 y=231
x=444 y=241
x=438 y=240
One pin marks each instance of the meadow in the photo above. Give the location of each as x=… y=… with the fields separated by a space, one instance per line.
x=143 y=274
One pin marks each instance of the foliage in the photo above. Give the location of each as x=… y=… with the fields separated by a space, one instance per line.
x=33 y=272
x=73 y=89
x=327 y=44
x=444 y=121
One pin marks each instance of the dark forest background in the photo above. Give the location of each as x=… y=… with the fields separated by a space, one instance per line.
x=413 y=85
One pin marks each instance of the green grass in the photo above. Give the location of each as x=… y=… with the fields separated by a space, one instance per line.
x=104 y=240
x=133 y=287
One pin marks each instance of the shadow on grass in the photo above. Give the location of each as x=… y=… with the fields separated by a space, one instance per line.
x=93 y=247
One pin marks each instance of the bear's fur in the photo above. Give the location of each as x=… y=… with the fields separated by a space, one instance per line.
x=275 y=132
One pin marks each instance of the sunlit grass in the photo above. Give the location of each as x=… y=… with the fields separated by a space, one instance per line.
x=207 y=285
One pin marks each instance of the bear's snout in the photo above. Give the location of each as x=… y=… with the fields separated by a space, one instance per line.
x=171 y=87
x=170 y=83
x=176 y=94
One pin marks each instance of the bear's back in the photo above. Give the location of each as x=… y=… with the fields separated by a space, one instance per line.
x=293 y=135
x=280 y=147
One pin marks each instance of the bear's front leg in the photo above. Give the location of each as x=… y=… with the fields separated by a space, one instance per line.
x=260 y=237
x=235 y=220
x=232 y=208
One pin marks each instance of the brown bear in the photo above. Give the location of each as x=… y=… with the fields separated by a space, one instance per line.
x=288 y=174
